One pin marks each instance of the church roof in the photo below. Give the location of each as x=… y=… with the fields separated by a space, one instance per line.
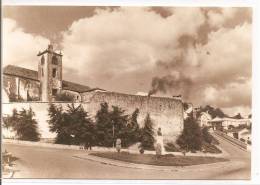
x=21 y=72
x=66 y=85
x=33 y=75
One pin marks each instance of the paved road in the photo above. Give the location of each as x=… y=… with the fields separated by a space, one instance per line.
x=37 y=162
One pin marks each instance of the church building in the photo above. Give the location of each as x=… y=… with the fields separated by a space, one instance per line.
x=21 y=84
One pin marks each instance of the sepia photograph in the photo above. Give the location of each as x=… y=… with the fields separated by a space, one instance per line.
x=126 y=92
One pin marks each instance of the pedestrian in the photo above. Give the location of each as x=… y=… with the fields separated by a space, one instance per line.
x=86 y=146
x=118 y=144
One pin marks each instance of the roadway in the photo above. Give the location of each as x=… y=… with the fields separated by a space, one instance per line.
x=38 y=162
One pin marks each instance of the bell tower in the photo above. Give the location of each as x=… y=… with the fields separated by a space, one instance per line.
x=50 y=74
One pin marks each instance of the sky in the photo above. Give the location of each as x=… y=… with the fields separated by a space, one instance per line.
x=204 y=54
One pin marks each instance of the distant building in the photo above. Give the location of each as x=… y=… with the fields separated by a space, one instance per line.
x=204 y=118
x=225 y=123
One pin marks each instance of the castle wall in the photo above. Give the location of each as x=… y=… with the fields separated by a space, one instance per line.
x=166 y=113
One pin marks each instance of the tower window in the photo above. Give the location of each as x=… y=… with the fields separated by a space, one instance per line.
x=42 y=72
x=54 y=60
x=54 y=92
x=42 y=60
x=54 y=72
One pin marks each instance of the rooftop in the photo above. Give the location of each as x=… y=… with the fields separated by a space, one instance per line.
x=20 y=72
x=66 y=85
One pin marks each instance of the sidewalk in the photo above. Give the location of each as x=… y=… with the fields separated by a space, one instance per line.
x=201 y=167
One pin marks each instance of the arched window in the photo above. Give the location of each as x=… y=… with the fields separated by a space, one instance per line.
x=54 y=60
x=42 y=60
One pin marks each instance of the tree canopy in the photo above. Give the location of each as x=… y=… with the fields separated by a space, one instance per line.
x=24 y=124
x=147 y=134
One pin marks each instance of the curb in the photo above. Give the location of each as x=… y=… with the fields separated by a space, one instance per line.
x=199 y=167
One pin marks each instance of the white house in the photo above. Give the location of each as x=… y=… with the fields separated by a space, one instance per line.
x=204 y=118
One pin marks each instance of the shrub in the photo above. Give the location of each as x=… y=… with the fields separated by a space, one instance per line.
x=214 y=141
x=209 y=148
x=141 y=151
x=170 y=147
x=191 y=137
x=206 y=135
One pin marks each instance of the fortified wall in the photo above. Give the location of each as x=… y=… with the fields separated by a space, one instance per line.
x=166 y=113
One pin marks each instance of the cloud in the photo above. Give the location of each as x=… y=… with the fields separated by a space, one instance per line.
x=228 y=17
x=227 y=56
x=20 y=48
x=112 y=44
x=202 y=53
x=229 y=96
x=139 y=49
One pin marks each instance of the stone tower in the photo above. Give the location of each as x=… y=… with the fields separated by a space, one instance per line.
x=50 y=74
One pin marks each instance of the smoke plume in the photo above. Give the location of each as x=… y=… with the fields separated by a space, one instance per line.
x=171 y=83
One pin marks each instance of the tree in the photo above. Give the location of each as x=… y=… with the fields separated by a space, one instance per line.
x=147 y=134
x=119 y=120
x=72 y=126
x=238 y=116
x=191 y=137
x=206 y=135
x=81 y=126
x=58 y=125
x=104 y=126
x=114 y=124
x=133 y=129
x=23 y=124
x=214 y=112
x=10 y=121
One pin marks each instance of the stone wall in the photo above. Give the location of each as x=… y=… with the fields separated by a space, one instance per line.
x=166 y=113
